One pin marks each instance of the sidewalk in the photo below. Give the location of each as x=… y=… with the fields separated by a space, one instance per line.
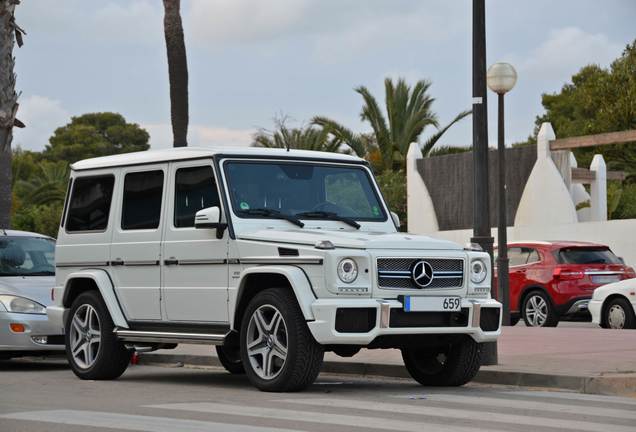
x=588 y=360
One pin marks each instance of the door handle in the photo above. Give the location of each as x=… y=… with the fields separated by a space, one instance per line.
x=171 y=261
x=117 y=262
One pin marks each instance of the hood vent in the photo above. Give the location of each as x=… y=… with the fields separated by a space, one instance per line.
x=287 y=252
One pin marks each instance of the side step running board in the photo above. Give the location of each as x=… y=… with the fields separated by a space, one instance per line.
x=169 y=337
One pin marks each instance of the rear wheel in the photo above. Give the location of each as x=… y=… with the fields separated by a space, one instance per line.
x=618 y=314
x=92 y=348
x=230 y=358
x=277 y=350
x=537 y=310
x=454 y=364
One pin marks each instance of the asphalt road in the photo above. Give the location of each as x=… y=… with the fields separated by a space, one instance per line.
x=46 y=396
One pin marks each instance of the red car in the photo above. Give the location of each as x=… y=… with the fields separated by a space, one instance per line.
x=553 y=281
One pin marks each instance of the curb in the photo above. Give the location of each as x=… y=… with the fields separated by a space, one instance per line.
x=615 y=384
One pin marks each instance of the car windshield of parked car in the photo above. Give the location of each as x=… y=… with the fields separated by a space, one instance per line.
x=302 y=190
x=27 y=256
x=587 y=256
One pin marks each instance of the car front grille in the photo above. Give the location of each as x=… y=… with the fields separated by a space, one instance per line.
x=396 y=273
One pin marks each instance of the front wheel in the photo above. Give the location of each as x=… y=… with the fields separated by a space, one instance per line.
x=92 y=348
x=453 y=364
x=618 y=314
x=538 y=311
x=277 y=350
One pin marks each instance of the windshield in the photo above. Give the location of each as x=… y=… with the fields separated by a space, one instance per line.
x=303 y=190
x=27 y=256
x=587 y=256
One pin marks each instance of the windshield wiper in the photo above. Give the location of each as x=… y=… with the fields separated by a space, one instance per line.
x=273 y=214
x=329 y=216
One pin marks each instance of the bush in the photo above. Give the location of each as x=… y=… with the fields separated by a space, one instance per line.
x=393 y=187
x=626 y=208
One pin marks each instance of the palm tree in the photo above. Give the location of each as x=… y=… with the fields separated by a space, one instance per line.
x=47 y=187
x=302 y=138
x=177 y=71
x=9 y=33
x=408 y=113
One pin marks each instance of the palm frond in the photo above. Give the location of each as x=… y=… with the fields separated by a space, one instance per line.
x=432 y=140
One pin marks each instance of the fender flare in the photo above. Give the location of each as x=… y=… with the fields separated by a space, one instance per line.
x=298 y=280
x=106 y=289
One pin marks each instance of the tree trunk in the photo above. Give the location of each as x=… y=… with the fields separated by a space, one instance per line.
x=177 y=71
x=8 y=107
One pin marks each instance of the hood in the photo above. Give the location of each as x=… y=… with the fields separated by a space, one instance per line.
x=37 y=288
x=352 y=239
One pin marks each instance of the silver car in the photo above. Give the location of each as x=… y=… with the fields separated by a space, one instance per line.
x=27 y=276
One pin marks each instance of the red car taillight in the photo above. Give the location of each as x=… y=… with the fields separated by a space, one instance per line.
x=566 y=274
x=629 y=273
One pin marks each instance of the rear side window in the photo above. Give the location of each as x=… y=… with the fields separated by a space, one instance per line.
x=195 y=189
x=90 y=203
x=587 y=256
x=522 y=256
x=141 y=206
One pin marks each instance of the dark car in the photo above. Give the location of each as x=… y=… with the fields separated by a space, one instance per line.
x=554 y=281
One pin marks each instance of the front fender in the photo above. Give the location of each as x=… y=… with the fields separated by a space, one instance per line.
x=106 y=289
x=297 y=278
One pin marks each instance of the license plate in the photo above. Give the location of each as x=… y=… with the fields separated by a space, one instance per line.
x=432 y=304
x=605 y=279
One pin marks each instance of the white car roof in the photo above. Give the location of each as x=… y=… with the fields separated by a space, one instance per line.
x=181 y=153
x=17 y=233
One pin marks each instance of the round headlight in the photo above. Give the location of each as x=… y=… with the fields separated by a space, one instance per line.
x=347 y=270
x=478 y=271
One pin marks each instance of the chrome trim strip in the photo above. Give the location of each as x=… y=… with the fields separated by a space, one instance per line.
x=604 y=272
x=385 y=314
x=82 y=264
x=281 y=260
x=170 y=337
x=201 y=261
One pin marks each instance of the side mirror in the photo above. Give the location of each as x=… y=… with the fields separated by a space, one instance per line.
x=396 y=220
x=210 y=218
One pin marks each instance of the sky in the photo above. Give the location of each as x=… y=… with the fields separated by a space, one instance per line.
x=252 y=61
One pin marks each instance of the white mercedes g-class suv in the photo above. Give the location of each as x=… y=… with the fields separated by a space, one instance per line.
x=274 y=256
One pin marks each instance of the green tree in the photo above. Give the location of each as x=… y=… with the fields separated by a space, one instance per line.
x=408 y=114
x=93 y=135
x=598 y=100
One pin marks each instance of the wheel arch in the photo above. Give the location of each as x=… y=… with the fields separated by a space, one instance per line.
x=527 y=290
x=257 y=279
x=608 y=300
x=94 y=280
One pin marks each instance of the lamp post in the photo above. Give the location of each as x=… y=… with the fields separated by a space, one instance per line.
x=501 y=78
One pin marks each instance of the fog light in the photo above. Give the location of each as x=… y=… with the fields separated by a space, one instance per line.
x=17 y=328
x=42 y=340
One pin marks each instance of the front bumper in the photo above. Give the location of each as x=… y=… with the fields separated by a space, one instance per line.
x=323 y=328
x=35 y=326
x=595 y=307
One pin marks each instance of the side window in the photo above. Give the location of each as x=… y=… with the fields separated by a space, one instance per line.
x=516 y=257
x=141 y=206
x=195 y=189
x=533 y=256
x=90 y=203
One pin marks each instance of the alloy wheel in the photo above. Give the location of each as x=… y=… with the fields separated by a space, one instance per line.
x=616 y=317
x=85 y=336
x=267 y=342
x=536 y=311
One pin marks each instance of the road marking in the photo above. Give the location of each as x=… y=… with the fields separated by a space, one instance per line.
x=534 y=405
x=575 y=396
x=132 y=422
x=316 y=417
x=453 y=413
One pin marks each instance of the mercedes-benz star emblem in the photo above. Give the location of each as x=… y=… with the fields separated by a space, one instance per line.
x=422 y=274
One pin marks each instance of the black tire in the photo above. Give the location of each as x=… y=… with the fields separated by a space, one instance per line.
x=454 y=364
x=304 y=355
x=623 y=305
x=112 y=357
x=230 y=358
x=552 y=318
